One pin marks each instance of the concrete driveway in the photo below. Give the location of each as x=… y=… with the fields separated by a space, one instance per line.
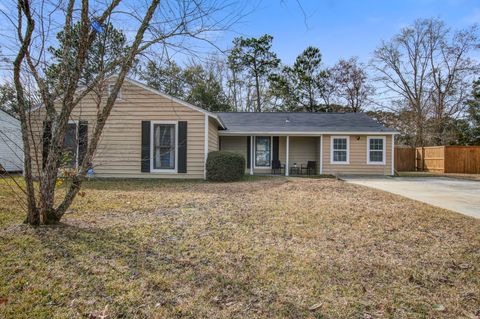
x=458 y=195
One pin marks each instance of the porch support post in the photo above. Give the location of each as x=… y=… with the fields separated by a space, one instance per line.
x=393 y=155
x=321 y=154
x=251 y=154
x=205 y=148
x=287 y=155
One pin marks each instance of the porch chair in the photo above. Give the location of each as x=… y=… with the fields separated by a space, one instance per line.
x=311 y=168
x=277 y=166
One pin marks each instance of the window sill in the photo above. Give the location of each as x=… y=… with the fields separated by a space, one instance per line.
x=339 y=163
x=164 y=171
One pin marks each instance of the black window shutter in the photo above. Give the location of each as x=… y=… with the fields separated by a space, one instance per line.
x=145 y=160
x=182 y=147
x=47 y=136
x=275 y=148
x=249 y=149
x=82 y=140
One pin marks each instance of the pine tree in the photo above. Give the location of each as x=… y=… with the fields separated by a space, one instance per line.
x=300 y=87
x=107 y=49
x=254 y=56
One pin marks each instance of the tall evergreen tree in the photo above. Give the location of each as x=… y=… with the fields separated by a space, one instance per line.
x=205 y=90
x=196 y=84
x=282 y=92
x=300 y=87
x=254 y=56
x=307 y=74
x=107 y=49
x=166 y=77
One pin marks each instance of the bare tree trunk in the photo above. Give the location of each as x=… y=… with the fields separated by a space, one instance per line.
x=310 y=98
x=257 y=88
x=78 y=179
x=33 y=217
x=420 y=138
x=234 y=74
x=47 y=196
x=60 y=101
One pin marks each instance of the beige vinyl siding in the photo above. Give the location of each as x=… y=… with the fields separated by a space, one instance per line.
x=303 y=149
x=307 y=148
x=358 y=157
x=119 y=151
x=212 y=135
x=237 y=144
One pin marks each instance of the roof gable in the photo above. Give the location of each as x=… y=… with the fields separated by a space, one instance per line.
x=172 y=98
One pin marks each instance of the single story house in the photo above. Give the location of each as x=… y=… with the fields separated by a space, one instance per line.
x=153 y=135
x=11 y=144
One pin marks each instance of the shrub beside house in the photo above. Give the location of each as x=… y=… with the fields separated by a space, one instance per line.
x=224 y=166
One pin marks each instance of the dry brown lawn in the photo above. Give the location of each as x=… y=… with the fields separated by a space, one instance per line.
x=268 y=248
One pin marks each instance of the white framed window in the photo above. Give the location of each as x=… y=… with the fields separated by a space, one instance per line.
x=70 y=145
x=376 y=146
x=340 y=149
x=164 y=147
x=263 y=151
x=110 y=88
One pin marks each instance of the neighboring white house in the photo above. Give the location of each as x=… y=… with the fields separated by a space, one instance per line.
x=11 y=146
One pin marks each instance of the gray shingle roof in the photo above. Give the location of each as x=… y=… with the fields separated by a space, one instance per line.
x=279 y=122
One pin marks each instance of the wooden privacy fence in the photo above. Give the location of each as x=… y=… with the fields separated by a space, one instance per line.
x=430 y=159
x=439 y=159
x=404 y=159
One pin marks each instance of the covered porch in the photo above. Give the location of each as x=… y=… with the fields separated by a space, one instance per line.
x=277 y=154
